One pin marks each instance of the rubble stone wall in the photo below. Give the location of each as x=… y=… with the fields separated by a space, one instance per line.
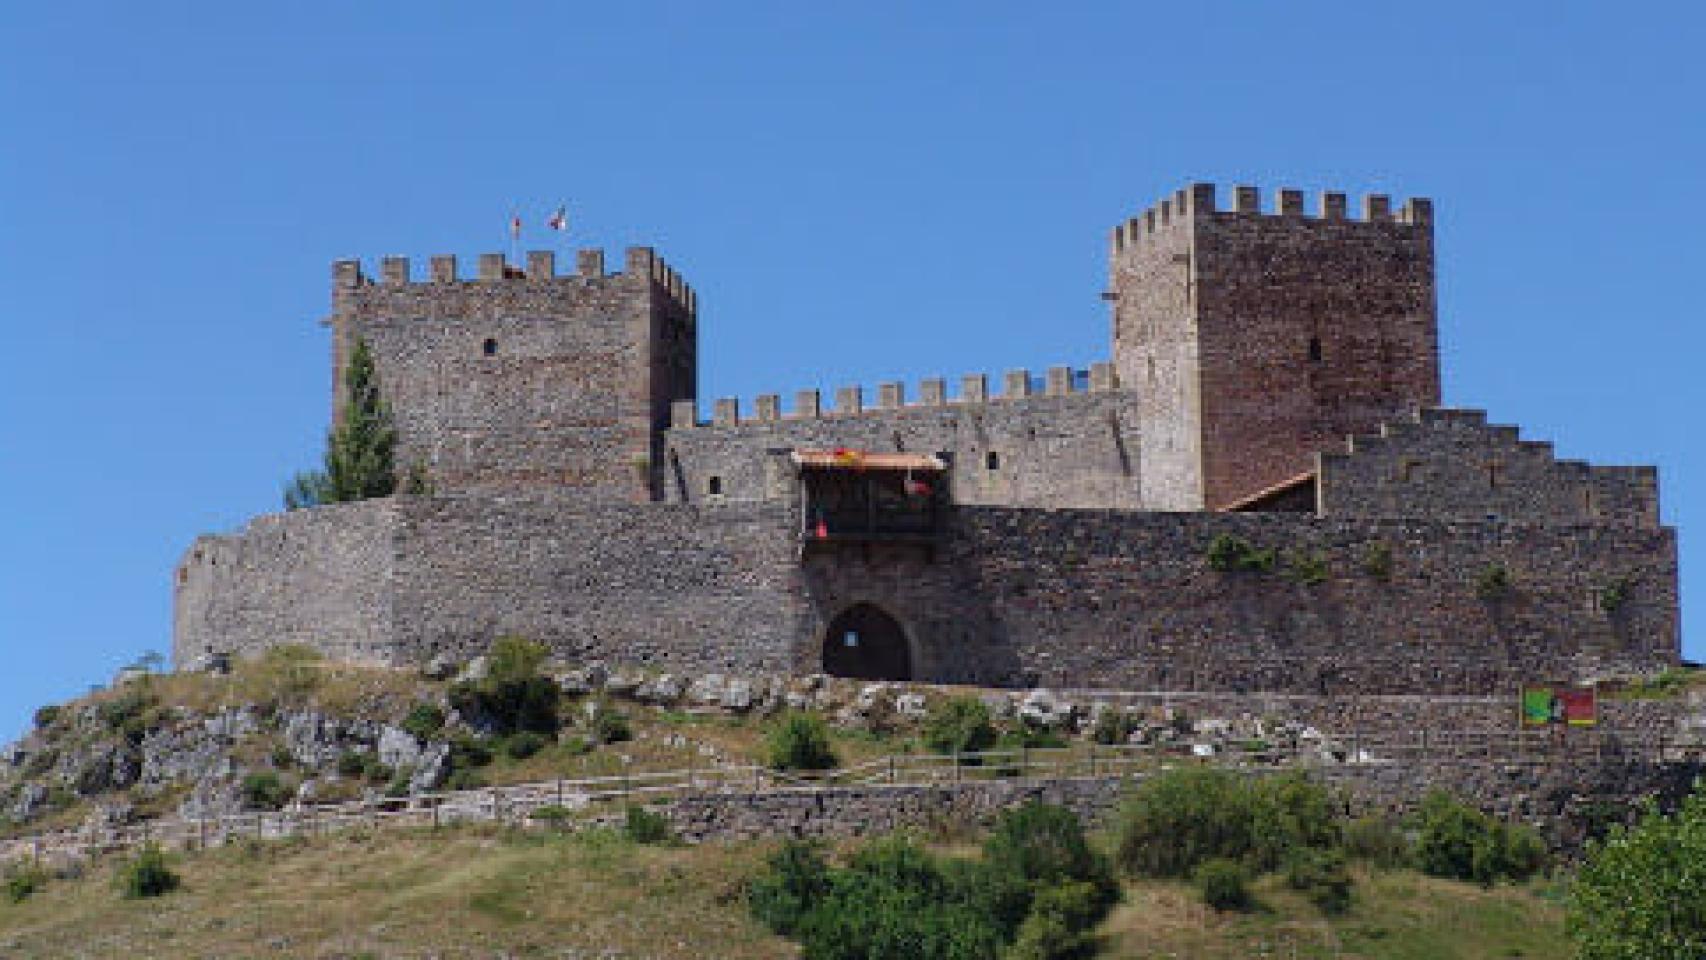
x=1010 y=597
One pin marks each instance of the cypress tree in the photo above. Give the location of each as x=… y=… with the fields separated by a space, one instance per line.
x=360 y=450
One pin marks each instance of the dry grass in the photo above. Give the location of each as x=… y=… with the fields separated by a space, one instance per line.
x=449 y=894
x=1395 y=916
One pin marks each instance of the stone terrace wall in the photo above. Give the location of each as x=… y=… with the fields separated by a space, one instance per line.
x=1060 y=448
x=1563 y=800
x=1128 y=601
x=1451 y=464
x=318 y=577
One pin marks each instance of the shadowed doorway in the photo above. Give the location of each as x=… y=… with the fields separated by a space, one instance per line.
x=867 y=644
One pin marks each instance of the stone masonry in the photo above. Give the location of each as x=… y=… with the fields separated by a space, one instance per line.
x=1274 y=387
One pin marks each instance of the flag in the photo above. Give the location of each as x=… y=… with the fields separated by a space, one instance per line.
x=559 y=220
x=515 y=227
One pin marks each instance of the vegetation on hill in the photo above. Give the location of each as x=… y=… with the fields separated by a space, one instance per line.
x=477 y=891
x=1641 y=893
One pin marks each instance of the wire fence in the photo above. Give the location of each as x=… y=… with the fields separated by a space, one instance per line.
x=587 y=799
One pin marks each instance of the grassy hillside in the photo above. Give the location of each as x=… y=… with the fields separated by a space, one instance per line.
x=1397 y=915
x=476 y=892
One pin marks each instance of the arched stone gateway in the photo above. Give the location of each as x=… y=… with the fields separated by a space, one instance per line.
x=865 y=643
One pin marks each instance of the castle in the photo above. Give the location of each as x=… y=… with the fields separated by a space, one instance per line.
x=1259 y=491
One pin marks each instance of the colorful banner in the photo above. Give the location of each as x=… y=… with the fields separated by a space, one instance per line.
x=1571 y=706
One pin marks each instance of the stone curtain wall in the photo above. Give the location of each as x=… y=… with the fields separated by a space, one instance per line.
x=574 y=388
x=1271 y=333
x=404 y=579
x=1062 y=450
x=702 y=589
x=1128 y=601
x=1013 y=597
x=1452 y=464
x=318 y=577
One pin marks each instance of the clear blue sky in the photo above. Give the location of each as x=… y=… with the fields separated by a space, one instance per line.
x=858 y=191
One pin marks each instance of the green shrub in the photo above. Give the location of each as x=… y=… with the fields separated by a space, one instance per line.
x=520 y=746
x=1377 y=841
x=1639 y=892
x=1223 y=883
x=1493 y=582
x=1321 y=876
x=795 y=880
x=800 y=741
x=1059 y=924
x=24 y=882
x=1307 y=568
x=895 y=900
x=1458 y=842
x=513 y=696
x=1229 y=554
x=1026 y=735
x=352 y=763
x=464 y=779
x=425 y=721
x=959 y=725
x=402 y=781
x=147 y=875
x=608 y=724
x=552 y=815
x=1045 y=845
x=47 y=716
x=1177 y=820
x=647 y=827
x=133 y=713
x=468 y=753
x=265 y=790
x=1114 y=727
x=364 y=764
x=1377 y=561
x=1615 y=595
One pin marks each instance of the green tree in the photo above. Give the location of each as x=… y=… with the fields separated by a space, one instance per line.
x=1641 y=893
x=361 y=451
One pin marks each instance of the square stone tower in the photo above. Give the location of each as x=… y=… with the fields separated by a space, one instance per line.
x=521 y=379
x=1254 y=338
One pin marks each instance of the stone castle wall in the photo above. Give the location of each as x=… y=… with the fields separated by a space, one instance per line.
x=1128 y=601
x=1011 y=597
x=1067 y=445
x=320 y=577
x=404 y=579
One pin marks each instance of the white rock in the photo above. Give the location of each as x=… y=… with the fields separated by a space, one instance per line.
x=708 y=690
x=868 y=696
x=738 y=694
x=663 y=689
x=398 y=748
x=440 y=667
x=478 y=668
x=911 y=705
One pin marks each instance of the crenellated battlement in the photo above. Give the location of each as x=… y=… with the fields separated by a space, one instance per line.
x=853 y=401
x=540 y=267
x=1453 y=462
x=1199 y=200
